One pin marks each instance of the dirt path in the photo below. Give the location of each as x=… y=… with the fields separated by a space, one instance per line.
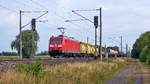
x=146 y=73
x=131 y=74
x=139 y=73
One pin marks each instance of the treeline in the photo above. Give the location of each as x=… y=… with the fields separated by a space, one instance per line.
x=16 y=54
x=141 y=48
x=42 y=53
x=8 y=54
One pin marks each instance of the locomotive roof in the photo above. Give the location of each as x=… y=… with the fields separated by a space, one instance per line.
x=64 y=37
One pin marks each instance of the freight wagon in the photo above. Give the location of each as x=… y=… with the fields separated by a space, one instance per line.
x=87 y=49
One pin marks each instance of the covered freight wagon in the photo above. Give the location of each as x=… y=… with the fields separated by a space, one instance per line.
x=87 y=49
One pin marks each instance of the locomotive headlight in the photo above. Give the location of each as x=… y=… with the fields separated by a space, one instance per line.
x=59 y=45
x=51 y=45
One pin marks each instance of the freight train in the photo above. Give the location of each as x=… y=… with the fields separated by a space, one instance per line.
x=60 y=46
x=65 y=46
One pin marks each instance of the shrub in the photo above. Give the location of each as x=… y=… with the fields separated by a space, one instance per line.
x=145 y=52
x=148 y=59
x=140 y=43
x=142 y=57
x=34 y=68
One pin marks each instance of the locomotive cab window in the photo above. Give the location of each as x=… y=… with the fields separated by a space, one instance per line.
x=56 y=40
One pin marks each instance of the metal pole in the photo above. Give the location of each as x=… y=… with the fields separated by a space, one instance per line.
x=106 y=54
x=20 y=27
x=100 y=48
x=33 y=26
x=20 y=40
x=127 y=50
x=33 y=43
x=87 y=45
x=95 y=41
x=121 y=46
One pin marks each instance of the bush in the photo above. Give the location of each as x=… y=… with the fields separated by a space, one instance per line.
x=140 y=43
x=34 y=68
x=148 y=60
x=142 y=57
x=145 y=53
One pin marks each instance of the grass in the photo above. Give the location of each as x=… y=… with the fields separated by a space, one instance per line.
x=8 y=57
x=131 y=79
x=17 y=57
x=95 y=72
x=42 y=56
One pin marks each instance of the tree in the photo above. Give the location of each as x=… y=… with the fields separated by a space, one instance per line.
x=42 y=53
x=140 y=43
x=28 y=46
x=148 y=59
x=144 y=55
x=8 y=53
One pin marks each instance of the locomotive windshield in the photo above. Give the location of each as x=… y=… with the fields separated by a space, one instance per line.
x=56 y=40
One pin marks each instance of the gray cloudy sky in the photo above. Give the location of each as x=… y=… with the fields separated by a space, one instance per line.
x=128 y=18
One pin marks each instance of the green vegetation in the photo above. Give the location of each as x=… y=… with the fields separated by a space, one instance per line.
x=148 y=59
x=41 y=56
x=131 y=79
x=8 y=57
x=8 y=53
x=35 y=68
x=144 y=55
x=141 y=48
x=42 y=53
x=27 y=43
x=95 y=72
x=17 y=57
x=140 y=43
x=132 y=76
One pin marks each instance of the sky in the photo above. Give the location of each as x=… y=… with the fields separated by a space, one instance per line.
x=127 y=18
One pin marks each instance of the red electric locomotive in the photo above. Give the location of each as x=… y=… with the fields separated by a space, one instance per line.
x=63 y=46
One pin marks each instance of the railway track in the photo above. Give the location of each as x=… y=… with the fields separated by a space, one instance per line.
x=10 y=64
